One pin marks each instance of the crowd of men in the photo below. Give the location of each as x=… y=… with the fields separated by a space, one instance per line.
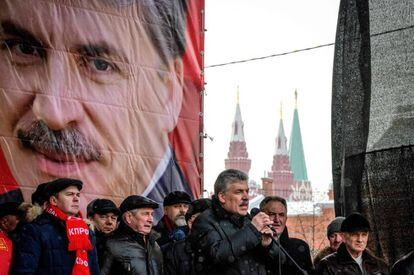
x=204 y=236
x=53 y=55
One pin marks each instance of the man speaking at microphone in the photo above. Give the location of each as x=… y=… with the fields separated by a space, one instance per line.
x=224 y=238
x=276 y=208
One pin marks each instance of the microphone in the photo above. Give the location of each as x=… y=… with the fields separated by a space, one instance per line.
x=256 y=211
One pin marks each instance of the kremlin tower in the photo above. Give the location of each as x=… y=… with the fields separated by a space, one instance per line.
x=280 y=179
x=288 y=177
x=302 y=188
x=237 y=157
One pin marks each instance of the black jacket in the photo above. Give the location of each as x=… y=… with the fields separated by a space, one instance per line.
x=299 y=251
x=178 y=259
x=126 y=252
x=101 y=239
x=322 y=254
x=404 y=266
x=162 y=228
x=225 y=243
x=342 y=263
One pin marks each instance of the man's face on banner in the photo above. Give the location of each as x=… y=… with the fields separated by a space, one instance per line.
x=83 y=94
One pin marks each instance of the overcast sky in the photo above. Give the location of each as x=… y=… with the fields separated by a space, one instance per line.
x=242 y=29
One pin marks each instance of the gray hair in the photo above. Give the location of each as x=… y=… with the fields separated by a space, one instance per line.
x=268 y=199
x=227 y=177
x=165 y=22
x=132 y=211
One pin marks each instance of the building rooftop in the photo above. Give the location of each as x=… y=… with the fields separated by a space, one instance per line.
x=296 y=208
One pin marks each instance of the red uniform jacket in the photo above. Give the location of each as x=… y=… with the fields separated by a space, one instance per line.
x=6 y=252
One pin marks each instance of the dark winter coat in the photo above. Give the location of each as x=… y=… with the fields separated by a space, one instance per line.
x=322 y=254
x=178 y=259
x=404 y=266
x=17 y=232
x=342 y=263
x=101 y=239
x=126 y=252
x=42 y=248
x=299 y=251
x=226 y=243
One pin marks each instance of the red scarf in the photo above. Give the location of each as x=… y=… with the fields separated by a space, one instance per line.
x=78 y=235
x=168 y=224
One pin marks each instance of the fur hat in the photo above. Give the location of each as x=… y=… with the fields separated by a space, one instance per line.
x=355 y=223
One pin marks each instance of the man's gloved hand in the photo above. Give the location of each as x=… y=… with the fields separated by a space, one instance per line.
x=177 y=234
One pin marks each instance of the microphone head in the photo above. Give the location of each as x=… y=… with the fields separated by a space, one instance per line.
x=254 y=212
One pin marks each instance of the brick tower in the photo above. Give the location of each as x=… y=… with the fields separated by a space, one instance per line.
x=280 y=179
x=237 y=157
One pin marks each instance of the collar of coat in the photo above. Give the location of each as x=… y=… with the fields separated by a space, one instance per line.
x=101 y=235
x=222 y=214
x=284 y=237
x=346 y=258
x=133 y=235
x=167 y=224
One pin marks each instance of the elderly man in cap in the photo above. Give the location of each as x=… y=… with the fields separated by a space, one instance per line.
x=58 y=241
x=104 y=215
x=178 y=257
x=352 y=256
x=335 y=238
x=173 y=226
x=132 y=249
x=9 y=218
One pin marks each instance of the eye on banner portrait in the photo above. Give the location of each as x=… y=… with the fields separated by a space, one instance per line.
x=105 y=91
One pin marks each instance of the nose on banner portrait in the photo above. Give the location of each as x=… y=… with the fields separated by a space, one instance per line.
x=104 y=91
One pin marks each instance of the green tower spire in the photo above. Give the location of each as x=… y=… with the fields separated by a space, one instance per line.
x=296 y=155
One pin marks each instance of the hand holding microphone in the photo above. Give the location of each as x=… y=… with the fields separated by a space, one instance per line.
x=255 y=212
x=259 y=219
x=262 y=222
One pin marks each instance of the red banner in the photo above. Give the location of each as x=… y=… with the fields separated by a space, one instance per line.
x=105 y=91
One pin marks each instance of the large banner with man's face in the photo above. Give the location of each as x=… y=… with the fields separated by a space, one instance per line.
x=105 y=91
